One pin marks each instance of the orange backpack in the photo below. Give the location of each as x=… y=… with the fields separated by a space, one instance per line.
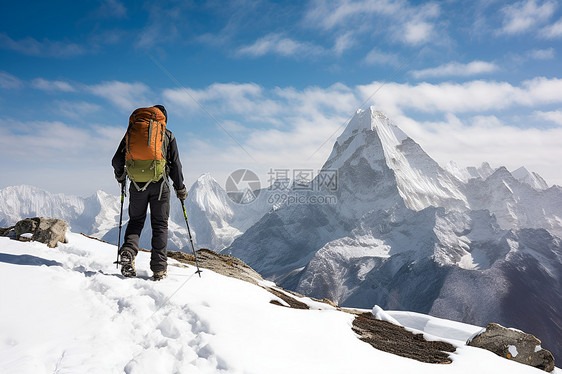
x=145 y=158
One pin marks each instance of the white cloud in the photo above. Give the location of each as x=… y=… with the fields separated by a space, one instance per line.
x=77 y=109
x=474 y=96
x=487 y=138
x=552 y=31
x=456 y=69
x=126 y=96
x=59 y=157
x=554 y=116
x=46 y=85
x=328 y=15
x=112 y=8
x=280 y=45
x=247 y=99
x=54 y=141
x=417 y=32
x=403 y=22
x=525 y=15
x=343 y=43
x=46 y=48
x=8 y=81
x=541 y=54
x=378 y=57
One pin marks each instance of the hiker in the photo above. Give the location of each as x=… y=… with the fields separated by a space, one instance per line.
x=148 y=161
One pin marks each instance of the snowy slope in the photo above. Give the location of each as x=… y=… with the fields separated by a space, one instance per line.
x=66 y=311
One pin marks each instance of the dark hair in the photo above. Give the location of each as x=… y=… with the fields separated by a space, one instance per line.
x=163 y=110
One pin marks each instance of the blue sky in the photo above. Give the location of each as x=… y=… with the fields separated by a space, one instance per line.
x=269 y=84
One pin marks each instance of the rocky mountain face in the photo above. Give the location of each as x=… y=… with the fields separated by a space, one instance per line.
x=475 y=245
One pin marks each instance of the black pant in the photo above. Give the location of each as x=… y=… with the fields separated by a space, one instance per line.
x=159 y=213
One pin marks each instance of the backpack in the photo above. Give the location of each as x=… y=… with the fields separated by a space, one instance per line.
x=145 y=146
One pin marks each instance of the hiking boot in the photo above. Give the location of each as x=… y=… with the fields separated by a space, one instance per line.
x=128 y=264
x=159 y=275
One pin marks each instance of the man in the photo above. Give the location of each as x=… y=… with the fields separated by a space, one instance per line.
x=156 y=194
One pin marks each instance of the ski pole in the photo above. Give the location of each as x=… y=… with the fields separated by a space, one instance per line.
x=120 y=222
x=190 y=238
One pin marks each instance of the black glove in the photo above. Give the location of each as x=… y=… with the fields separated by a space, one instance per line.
x=181 y=193
x=121 y=179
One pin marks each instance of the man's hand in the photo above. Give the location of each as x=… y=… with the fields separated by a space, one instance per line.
x=181 y=193
x=121 y=179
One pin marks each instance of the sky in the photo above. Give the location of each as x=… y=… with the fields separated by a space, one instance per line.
x=269 y=85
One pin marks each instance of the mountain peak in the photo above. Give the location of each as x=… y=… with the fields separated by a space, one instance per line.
x=394 y=159
x=531 y=178
x=205 y=179
x=372 y=120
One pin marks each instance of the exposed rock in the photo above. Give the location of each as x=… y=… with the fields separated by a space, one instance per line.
x=222 y=264
x=291 y=301
x=44 y=230
x=394 y=339
x=514 y=345
x=5 y=231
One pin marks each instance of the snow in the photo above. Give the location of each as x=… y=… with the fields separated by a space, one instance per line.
x=380 y=314
x=67 y=310
x=532 y=179
x=512 y=350
x=434 y=328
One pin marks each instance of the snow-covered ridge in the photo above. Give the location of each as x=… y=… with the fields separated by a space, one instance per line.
x=69 y=311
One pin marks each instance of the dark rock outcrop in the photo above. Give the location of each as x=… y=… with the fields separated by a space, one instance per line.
x=394 y=339
x=514 y=345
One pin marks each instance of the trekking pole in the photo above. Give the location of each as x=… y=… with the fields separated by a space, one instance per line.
x=120 y=222
x=190 y=238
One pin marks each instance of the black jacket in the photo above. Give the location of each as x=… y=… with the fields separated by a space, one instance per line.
x=173 y=164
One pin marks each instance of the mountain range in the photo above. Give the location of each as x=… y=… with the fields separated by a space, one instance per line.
x=398 y=230
x=474 y=245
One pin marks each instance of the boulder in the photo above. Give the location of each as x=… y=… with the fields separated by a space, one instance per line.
x=514 y=345
x=45 y=230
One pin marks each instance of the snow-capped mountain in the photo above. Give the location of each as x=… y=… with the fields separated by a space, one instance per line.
x=214 y=219
x=516 y=203
x=408 y=234
x=464 y=174
x=531 y=178
x=95 y=215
